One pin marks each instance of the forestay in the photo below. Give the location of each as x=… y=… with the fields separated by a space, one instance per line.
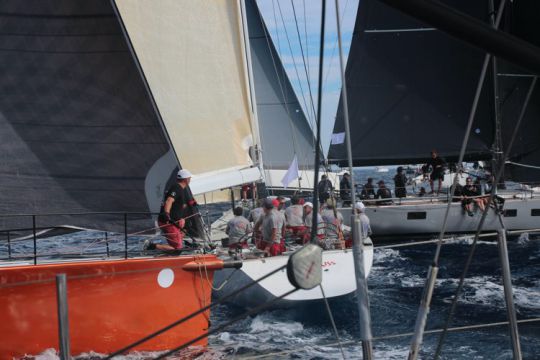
x=284 y=129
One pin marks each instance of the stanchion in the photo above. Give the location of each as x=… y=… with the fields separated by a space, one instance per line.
x=508 y=294
x=362 y=295
x=63 y=320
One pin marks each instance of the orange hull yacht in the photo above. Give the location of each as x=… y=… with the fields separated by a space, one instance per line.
x=111 y=303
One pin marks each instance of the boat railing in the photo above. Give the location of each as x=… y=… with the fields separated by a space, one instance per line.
x=35 y=232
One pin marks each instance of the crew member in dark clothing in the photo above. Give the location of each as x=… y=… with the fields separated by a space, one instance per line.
x=383 y=193
x=171 y=217
x=469 y=196
x=345 y=189
x=368 y=191
x=437 y=170
x=400 y=180
x=324 y=188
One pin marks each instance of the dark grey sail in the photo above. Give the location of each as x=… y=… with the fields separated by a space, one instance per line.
x=521 y=20
x=77 y=129
x=410 y=89
x=283 y=127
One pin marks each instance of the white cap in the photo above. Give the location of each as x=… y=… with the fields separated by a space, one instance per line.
x=307 y=203
x=183 y=174
x=359 y=206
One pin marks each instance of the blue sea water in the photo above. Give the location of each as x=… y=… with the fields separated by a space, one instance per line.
x=395 y=287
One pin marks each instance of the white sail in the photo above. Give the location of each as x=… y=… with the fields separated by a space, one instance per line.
x=193 y=56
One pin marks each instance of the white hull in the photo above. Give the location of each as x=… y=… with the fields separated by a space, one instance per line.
x=426 y=218
x=337 y=281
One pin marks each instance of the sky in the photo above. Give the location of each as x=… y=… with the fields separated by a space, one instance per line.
x=279 y=17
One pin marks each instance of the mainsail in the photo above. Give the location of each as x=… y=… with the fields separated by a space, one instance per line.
x=521 y=20
x=77 y=129
x=411 y=88
x=192 y=54
x=284 y=129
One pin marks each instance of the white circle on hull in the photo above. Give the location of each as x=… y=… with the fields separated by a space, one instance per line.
x=165 y=278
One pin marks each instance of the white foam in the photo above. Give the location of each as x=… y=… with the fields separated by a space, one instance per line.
x=412 y=281
x=386 y=255
x=263 y=323
x=484 y=290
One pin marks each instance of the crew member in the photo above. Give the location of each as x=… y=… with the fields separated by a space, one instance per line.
x=368 y=191
x=437 y=170
x=294 y=219
x=333 y=220
x=308 y=221
x=345 y=189
x=238 y=229
x=272 y=228
x=171 y=216
x=400 y=180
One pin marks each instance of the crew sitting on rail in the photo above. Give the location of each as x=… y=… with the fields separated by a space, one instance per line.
x=470 y=193
x=294 y=219
x=308 y=221
x=383 y=193
x=368 y=190
x=272 y=228
x=238 y=229
x=332 y=222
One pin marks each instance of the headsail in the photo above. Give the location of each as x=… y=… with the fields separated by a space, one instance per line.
x=77 y=129
x=284 y=129
x=410 y=90
x=192 y=54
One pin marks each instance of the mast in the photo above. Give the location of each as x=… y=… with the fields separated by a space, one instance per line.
x=362 y=294
x=498 y=156
x=315 y=223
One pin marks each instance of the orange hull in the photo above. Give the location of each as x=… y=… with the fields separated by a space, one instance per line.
x=111 y=304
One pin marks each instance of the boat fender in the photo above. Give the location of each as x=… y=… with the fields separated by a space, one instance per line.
x=304 y=268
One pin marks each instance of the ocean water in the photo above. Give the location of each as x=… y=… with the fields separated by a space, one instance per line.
x=395 y=287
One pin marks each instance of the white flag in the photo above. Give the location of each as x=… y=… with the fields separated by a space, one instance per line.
x=337 y=138
x=291 y=174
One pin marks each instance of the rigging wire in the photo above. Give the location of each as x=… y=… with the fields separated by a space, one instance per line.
x=283 y=78
x=201 y=310
x=223 y=326
x=332 y=56
x=423 y=308
x=484 y=215
x=523 y=165
x=297 y=75
x=331 y=316
x=393 y=336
